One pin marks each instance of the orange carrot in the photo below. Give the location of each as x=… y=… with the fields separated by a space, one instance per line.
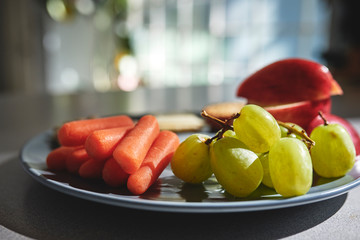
x=158 y=157
x=101 y=143
x=56 y=159
x=91 y=169
x=113 y=175
x=74 y=133
x=76 y=159
x=133 y=148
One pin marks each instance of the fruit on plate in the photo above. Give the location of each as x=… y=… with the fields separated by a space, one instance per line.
x=254 y=148
x=240 y=168
x=331 y=118
x=191 y=160
x=290 y=167
x=334 y=153
x=264 y=159
x=292 y=90
x=256 y=128
x=289 y=81
x=237 y=169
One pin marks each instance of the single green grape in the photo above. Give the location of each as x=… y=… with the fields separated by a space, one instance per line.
x=256 y=128
x=290 y=167
x=238 y=170
x=191 y=160
x=264 y=159
x=334 y=153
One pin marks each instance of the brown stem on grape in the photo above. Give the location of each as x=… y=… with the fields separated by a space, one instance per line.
x=323 y=118
x=308 y=141
x=215 y=119
x=217 y=136
x=225 y=125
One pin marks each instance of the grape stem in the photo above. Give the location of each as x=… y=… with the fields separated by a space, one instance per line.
x=308 y=141
x=225 y=125
x=323 y=118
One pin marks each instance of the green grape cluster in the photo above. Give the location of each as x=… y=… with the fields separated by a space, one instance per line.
x=257 y=149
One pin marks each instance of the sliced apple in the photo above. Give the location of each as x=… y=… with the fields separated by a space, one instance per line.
x=331 y=118
x=301 y=113
x=289 y=81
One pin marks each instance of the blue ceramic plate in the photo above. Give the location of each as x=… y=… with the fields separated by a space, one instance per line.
x=169 y=194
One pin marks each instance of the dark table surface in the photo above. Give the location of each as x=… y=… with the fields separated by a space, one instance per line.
x=29 y=209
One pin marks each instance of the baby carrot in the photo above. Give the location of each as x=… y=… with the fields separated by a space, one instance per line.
x=133 y=148
x=91 y=169
x=101 y=143
x=56 y=159
x=156 y=160
x=113 y=175
x=76 y=159
x=74 y=133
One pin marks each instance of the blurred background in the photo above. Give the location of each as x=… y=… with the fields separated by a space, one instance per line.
x=67 y=46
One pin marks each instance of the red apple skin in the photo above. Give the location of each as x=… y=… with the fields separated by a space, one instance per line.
x=289 y=81
x=331 y=118
x=301 y=113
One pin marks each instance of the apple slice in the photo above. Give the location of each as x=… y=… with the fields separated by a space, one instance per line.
x=301 y=113
x=289 y=81
x=331 y=118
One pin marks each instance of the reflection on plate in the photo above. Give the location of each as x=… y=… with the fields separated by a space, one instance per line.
x=171 y=194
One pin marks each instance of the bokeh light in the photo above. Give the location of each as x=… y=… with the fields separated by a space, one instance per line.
x=85 y=7
x=70 y=79
x=57 y=10
x=128 y=79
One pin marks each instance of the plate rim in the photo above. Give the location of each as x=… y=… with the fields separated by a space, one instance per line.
x=172 y=206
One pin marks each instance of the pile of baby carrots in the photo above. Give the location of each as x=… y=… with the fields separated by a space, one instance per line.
x=115 y=149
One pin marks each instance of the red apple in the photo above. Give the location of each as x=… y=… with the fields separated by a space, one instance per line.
x=301 y=113
x=289 y=81
x=331 y=118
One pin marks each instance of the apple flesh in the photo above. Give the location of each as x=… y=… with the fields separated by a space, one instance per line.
x=331 y=118
x=289 y=81
x=300 y=113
